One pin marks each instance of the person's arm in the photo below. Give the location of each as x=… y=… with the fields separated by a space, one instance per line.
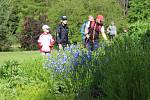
x=40 y=41
x=108 y=29
x=103 y=33
x=82 y=30
x=115 y=31
x=87 y=27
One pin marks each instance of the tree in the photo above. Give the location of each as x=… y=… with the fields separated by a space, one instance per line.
x=5 y=11
x=31 y=32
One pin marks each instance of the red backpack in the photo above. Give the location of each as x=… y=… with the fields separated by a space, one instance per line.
x=95 y=26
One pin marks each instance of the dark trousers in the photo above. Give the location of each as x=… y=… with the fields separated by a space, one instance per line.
x=92 y=46
x=111 y=37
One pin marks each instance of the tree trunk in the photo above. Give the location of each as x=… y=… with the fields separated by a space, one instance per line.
x=124 y=4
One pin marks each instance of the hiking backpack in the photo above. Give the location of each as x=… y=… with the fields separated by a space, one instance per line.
x=82 y=30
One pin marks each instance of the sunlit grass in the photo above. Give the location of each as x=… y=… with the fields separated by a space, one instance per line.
x=19 y=56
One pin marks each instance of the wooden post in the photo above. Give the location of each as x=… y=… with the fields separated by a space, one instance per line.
x=126 y=7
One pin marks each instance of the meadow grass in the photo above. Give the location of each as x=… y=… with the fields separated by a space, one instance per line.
x=20 y=56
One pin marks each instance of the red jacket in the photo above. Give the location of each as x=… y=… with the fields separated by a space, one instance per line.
x=45 y=42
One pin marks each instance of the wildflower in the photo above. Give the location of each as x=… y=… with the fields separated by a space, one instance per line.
x=64 y=59
x=76 y=54
x=48 y=55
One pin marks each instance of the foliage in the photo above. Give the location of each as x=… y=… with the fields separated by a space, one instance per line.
x=127 y=71
x=139 y=10
x=17 y=12
x=9 y=69
x=31 y=32
x=5 y=14
x=77 y=15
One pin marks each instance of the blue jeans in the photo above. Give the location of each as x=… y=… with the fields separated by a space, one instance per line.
x=92 y=46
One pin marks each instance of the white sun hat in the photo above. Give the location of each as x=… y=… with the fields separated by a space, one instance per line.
x=45 y=27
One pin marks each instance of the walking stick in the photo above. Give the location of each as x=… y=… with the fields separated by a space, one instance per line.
x=93 y=35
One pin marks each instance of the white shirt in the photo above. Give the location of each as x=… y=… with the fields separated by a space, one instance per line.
x=44 y=40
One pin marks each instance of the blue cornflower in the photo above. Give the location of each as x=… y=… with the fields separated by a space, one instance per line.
x=53 y=62
x=58 y=69
x=72 y=46
x=76 y=54
x=64 y=59
x=89 y=58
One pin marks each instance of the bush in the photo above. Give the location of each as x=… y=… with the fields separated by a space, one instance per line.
x=31 y=32
x=138 y=11
x=127 y=71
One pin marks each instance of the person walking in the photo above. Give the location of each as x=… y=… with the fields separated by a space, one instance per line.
x=85 y=29
x=45 y=41
x=95 y=29
x=62 y=33
x=112 y=30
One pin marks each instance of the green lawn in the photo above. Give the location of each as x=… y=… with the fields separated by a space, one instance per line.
x=20 y=56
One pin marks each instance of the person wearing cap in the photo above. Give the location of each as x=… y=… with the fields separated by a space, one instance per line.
x=45 y=41
x=62 y=33
x=95 y=29
x=85 y=29
x=112 y=30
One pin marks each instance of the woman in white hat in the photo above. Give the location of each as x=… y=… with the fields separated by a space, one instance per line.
x=45 y=41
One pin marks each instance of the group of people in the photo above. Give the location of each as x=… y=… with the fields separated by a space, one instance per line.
x=46 y=40
x=90 y=30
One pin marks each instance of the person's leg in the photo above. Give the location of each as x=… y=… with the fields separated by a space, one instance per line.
x=95 y=45
x=89 y=46
x=112 y=37
x=85 y=42
x=64 y=45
